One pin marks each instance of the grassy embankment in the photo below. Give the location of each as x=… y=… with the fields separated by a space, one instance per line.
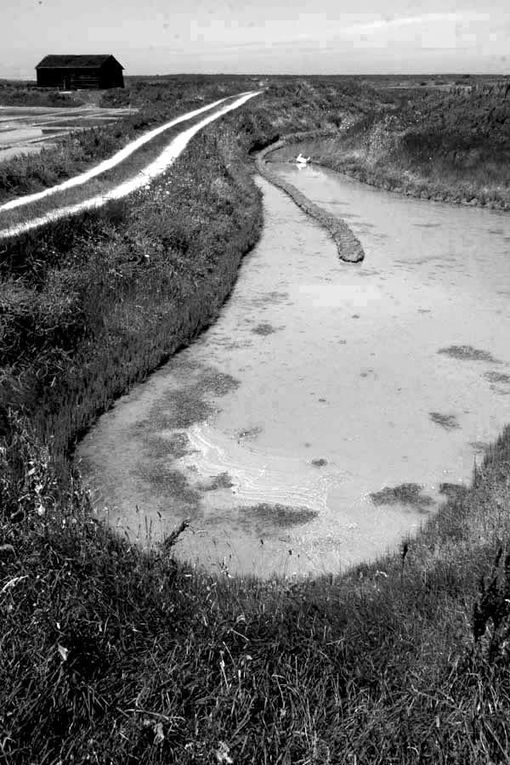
x=110 y=655
x=99 y=185
x=155 y=102
x=444 y=145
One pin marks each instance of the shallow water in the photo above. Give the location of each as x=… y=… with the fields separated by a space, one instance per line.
x=26 y=130
x=321 y=383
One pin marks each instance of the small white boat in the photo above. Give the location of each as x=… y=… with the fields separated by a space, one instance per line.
x=300 y=160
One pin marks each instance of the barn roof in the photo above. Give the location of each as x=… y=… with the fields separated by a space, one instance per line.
x=88 y=61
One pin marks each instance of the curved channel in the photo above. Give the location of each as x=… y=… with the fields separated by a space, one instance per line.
x=318 y=421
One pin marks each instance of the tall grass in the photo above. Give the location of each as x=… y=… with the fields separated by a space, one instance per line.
x=444 y=145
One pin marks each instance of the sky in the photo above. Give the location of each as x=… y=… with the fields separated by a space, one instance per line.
x=261 y=36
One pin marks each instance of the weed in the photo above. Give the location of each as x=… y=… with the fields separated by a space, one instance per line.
x=453 y=490
x=468 y=353
x=497 y=377
x=249 y=433
x=279 y=515
x=405 y=493
x=491 y=612
x=264 y=328
x=28 y=94
x=220 y=481
x=446 y=421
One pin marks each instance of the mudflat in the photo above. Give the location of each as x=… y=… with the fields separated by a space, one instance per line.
x=27 y=129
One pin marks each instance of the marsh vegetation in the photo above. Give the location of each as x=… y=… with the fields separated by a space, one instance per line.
x=111 y=654
x=406 y=493
x=448 y=144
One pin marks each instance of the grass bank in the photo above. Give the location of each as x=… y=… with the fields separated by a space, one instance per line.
x=114 y=656
x=91 y=304
x=100 y=185
x=110 y=655
x=448 y=146
x=289 y=104
x=154 y=105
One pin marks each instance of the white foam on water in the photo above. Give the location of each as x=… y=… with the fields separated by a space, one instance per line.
x=258 y=476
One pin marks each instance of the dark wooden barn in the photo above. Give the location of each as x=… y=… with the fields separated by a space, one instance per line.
x=72 y=72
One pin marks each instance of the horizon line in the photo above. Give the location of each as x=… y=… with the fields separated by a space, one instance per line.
x=471 y=73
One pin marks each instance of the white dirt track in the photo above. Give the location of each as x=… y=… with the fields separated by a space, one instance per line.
x=151 y=171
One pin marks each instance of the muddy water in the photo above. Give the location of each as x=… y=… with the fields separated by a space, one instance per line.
x=321 y=384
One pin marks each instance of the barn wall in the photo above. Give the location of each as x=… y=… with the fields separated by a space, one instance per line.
x=109 y=75
x=50 y=78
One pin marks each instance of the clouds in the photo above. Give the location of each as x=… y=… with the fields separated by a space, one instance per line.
x=390 y=24
x=343 y=31
x=261 y=35
x=449 y=30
